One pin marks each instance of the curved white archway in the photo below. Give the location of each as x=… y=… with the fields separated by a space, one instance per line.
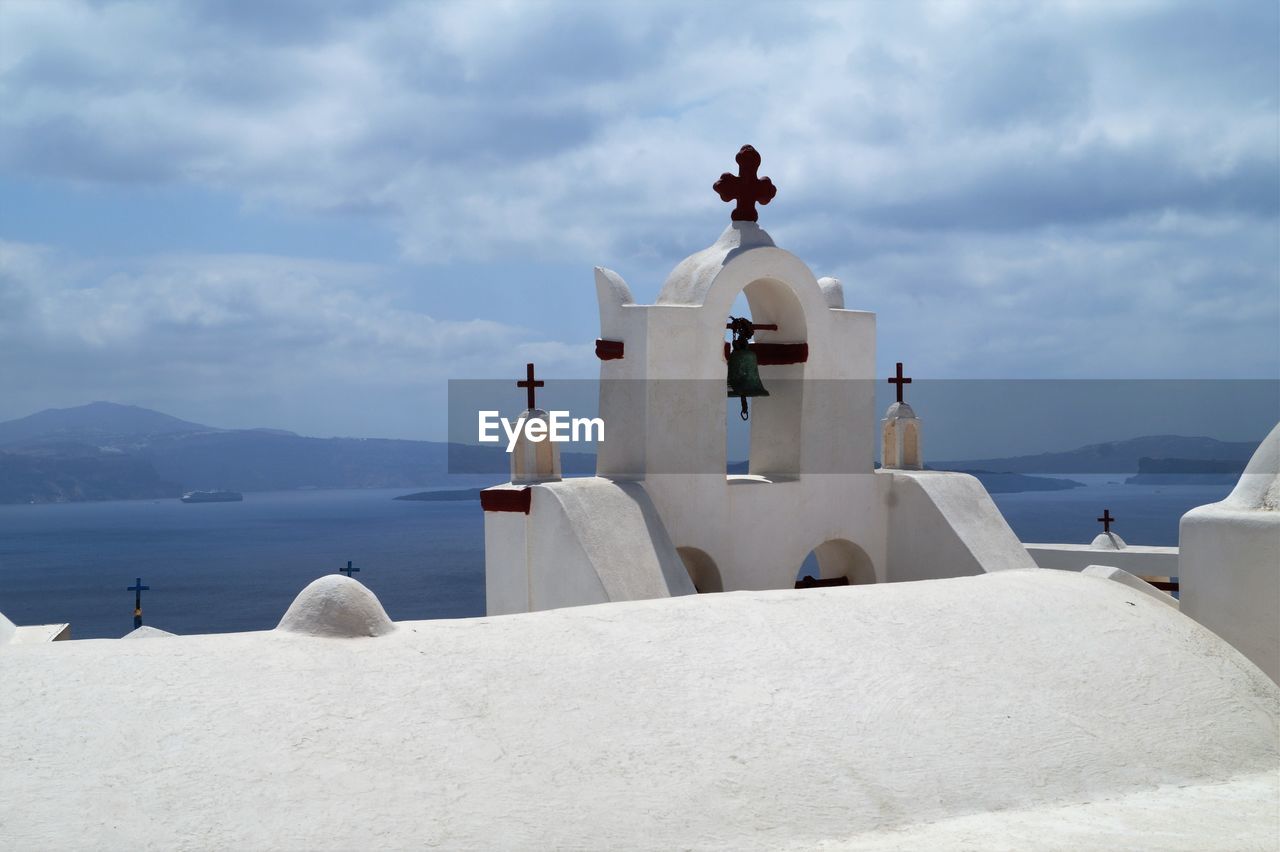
x=836 y=558
x=702 y=569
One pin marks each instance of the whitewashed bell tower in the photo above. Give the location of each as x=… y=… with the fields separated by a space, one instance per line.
x=662 y=516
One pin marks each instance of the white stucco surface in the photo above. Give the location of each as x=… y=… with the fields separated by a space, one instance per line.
x=1229 y=561
x=1119 y=575
x=27 y=634
x=1259 y=485
x=1108 y=541
x=147 y=632
x=1039 y=709
x=691 y=281
x=1142 y=560
x=335 y=605
x=944 y=524
x=586 y=540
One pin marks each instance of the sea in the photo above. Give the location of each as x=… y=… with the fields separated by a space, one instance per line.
x=226 y=567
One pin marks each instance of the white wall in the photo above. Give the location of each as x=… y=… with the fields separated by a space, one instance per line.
x=1141 y=560
x=584 y=541
x=944 y=524
x=1229 y=561
x=1229 y=579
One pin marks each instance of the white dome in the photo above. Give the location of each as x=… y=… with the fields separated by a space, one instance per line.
x=1110 y=541
x=335 y=605
x=689 y=282
x=1259 y=485
x=900 y=411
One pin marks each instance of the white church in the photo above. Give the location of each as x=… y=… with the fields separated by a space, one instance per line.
x=648 y=676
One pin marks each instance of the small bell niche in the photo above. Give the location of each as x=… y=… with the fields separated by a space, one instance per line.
x=535 y=461
x=900 y=439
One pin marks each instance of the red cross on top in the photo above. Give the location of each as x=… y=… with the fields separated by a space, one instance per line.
x=899 y=380
x=530 y=384
x=744 y=187
x=1106 y=520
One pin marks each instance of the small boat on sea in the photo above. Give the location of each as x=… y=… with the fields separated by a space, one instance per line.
x=212 y=497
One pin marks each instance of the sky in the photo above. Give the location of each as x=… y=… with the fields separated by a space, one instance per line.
x=312 y=216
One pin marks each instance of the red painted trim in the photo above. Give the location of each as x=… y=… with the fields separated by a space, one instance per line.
x=505 y=500
x=780 y=353
x=609 y=350
x=769 y=354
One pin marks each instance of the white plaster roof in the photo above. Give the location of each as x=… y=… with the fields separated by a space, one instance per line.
x=147 y=632
x=1108 y=541
x=1259 y=485
x=1046 y=709
x=900 y=411
x=689 y=282
x=28 y=634
x=336 y=605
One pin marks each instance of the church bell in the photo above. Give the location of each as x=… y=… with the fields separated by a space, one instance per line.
x=744 y=369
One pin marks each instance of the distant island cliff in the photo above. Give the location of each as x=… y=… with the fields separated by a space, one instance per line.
x=444 y=496
x=1011 y=483
x=1114 y=456
x=1187 y=472
x=106 y=451
x=32 y=478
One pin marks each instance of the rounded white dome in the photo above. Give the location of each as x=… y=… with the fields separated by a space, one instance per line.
x=1109 y=541
x=335 y=605
x=900 y=411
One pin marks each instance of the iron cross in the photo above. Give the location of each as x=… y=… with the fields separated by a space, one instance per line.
x=529 y=384
x=1106 y=520
x=137 y=588
x=348 y=570
x=744 y=187
x=899 y=380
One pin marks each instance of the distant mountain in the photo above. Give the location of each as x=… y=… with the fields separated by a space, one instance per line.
x=1187 y=472
x=463 y=494
x=93 y=423
x=84 y=476
x=72 y=454
x=1111 y=457
x=106 y=451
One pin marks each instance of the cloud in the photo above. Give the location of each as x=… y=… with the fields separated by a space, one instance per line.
x=238 y=337
x=541 y=127
x=1175 y=297
x=1050 y=188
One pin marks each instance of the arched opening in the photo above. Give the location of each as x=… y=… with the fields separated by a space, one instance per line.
x=737 y=432
x=702 y=569
x=772 y=436
x=836 y=562
x=889 y=445
x=911 y=445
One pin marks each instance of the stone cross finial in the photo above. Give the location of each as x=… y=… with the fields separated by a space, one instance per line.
x=744 y=187
x=530 y=384
x=1106 y=520
x=899 y=380
x=137 y=588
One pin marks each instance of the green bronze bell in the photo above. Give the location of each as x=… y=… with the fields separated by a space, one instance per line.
x=744 y=369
